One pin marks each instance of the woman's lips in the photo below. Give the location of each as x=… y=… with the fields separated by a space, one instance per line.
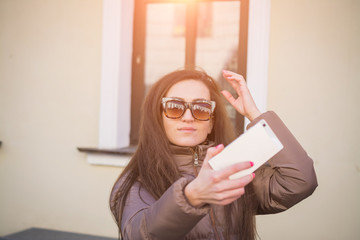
x=187 y=129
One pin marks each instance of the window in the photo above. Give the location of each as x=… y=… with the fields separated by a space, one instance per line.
x=117 y=60
x=173 y=34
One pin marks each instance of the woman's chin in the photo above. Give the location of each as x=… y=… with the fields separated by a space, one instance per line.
x=187 y=142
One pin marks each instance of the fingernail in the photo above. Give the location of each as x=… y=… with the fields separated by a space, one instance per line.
x=253 y=175
x=218 y=146
x=251 y=164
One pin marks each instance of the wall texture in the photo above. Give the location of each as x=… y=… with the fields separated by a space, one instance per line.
x=314 y=83
x=49 y=105
x=49 y=98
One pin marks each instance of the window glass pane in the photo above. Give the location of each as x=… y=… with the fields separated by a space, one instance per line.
x=165 y=40
x=218 y=39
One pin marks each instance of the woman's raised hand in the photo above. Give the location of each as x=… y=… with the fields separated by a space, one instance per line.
x=244 y=104
x=215 y=187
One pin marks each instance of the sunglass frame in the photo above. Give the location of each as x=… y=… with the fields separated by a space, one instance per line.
x=188 y=105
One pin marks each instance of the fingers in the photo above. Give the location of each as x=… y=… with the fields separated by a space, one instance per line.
x=228 y=191
x=233 y=76
x=231 y=190
x=229 y=185
x=225 y=173
x=229 y=97
x=226 y=198
x=237 y=81
x=215 y=187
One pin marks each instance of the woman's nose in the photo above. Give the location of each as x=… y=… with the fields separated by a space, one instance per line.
x=187 y=116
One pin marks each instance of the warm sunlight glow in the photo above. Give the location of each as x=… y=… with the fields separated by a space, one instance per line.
x=184 y=1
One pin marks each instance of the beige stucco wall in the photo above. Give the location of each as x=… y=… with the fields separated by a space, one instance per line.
x=314 y=83
x=50 y=59
x=49 y=105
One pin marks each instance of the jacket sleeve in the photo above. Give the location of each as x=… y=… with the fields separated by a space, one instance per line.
x=169 y=217
x=288 y=177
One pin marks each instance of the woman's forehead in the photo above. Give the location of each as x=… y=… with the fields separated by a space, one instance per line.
x=189 y=90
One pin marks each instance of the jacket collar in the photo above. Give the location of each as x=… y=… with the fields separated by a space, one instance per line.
x=185 y=156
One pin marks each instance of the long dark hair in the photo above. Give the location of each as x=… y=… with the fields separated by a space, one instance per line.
x=153 y=166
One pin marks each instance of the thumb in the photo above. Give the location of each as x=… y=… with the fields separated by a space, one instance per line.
x=212 y=152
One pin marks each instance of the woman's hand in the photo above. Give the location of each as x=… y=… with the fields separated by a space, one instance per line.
x=215 y=187
x=244 y=104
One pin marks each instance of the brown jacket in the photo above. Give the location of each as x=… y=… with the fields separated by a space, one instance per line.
x=283 y=181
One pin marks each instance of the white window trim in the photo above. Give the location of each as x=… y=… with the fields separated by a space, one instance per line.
x=258 y=51
x=115 y=96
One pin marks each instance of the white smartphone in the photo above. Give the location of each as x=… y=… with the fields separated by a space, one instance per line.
x=258 y=145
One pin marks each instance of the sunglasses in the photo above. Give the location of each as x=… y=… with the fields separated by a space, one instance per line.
x=175 y=108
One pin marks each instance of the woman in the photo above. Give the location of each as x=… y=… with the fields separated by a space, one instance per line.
x=169 y=191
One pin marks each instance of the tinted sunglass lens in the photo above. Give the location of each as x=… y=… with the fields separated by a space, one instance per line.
x=202 y=111
x=174 y=109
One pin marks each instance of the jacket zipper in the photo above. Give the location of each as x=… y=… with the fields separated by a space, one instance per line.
x=196 y=159
x=212 y=217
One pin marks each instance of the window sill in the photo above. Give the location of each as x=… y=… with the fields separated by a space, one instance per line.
x=118 y=157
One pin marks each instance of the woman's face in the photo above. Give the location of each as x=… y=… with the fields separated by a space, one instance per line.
x=186 y=130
